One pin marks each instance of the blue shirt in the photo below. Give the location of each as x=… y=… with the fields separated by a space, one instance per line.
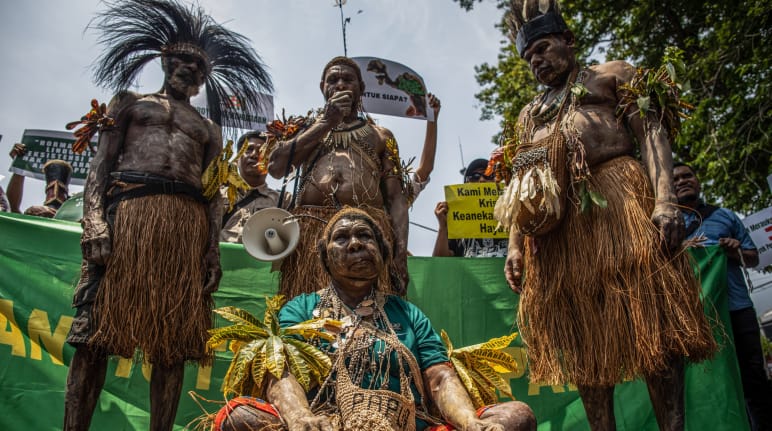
x=723 y=223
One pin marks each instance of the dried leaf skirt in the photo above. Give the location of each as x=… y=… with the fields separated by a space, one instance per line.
x=601 y=303
x=151 y=296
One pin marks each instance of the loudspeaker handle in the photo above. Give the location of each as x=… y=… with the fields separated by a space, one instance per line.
x=275 y=244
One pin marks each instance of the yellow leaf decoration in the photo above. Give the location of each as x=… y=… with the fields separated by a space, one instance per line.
x=480 y=367
x=262 y=347
x=222 y=171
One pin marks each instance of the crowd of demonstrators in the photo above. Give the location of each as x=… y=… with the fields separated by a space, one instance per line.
x=390 y=342
x=57 y=177
x=150 y=237
x=603 y=273
x=711 y=225
x=606 y=294
x=343 y=158
x=466 y=247
x=252 y=168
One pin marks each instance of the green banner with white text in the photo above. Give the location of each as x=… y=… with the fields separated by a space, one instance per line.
x=469 y=298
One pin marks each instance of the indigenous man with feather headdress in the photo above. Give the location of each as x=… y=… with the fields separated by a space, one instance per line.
x=150 y=237
x=608 y=292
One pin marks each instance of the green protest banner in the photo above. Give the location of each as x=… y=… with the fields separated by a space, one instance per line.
x=39 y=266
x=45 y=145
x=470 y=210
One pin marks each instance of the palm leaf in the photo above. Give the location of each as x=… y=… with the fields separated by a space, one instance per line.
x=237 y=371
x=274 y=359
x=493 y=378
x=499 y=343
x=313 y=329
x=239 y=316
x=298 y=366
x=244 y=333
x=466 y=379
x=446 y=341
x=259 y=368
x=501 y=361
x=315 y=358
x=486 y=390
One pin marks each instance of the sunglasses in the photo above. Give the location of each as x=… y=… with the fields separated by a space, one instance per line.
x=477 y=175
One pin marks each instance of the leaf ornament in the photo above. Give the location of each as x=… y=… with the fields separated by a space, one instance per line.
x=222 y=171
x=480 y=367
x=263 y=347
x=94 y=121
x=658 y=91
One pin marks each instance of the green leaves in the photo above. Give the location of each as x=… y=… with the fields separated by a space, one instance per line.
x=478 y=366
x=264 y=347
x=726 y=46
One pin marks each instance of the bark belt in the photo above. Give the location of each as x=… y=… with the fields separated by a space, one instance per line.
x=153 y=185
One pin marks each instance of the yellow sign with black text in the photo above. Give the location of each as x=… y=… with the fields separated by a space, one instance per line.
x=470 y=210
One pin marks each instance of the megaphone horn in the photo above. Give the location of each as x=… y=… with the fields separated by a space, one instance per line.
x=270 y=234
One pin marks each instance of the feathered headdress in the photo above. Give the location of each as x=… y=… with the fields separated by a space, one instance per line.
x=529 y=20
x=137 y=31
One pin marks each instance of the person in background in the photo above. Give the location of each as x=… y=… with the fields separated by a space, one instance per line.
x=426 y=163
x=722 y=227
x=252 y=168
x=57 y=176
x=467 y=247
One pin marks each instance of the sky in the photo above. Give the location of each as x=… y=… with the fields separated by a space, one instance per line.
x=46 y=78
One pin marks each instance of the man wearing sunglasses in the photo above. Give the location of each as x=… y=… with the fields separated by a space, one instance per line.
x=467 y=247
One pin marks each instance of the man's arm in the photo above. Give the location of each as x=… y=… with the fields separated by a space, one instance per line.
x=441 y=246
x=426 y=164
x=287 y=395
x=16 y=183
x=96 y=239
x=451 y=398
x=513 y=266
x=396 y=202
x=215 y=213
x=307 y=140
x=656 y=155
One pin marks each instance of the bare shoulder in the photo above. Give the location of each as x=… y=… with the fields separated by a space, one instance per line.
x=384 y=136
x=121 y=100
x=383 y=133
x=618 y=69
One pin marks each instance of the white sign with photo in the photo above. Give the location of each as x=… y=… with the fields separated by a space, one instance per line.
x=393 y=89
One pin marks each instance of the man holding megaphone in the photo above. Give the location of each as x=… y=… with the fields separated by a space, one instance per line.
x=252 y=167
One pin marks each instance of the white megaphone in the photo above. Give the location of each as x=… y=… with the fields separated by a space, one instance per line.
x=270 y=234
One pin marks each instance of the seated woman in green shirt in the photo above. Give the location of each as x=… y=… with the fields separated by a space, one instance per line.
x=390 y=369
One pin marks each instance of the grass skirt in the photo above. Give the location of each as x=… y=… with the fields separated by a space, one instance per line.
x=601 y=303
x=302 y=270
x=151 y=296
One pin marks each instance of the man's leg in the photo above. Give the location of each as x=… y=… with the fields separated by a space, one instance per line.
x=599 y=406
x=666 y=391
x=84 y=384
x=165 y=389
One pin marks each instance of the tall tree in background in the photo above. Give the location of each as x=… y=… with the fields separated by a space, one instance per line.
x=728 y=52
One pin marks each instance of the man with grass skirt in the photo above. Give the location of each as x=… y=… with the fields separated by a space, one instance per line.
x=150 y=237
x=595 y=246
x=343 y=158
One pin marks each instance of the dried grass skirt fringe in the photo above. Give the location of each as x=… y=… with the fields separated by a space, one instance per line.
x=151 y=296
x=600 y=302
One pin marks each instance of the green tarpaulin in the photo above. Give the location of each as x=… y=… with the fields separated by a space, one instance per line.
x=469 y=298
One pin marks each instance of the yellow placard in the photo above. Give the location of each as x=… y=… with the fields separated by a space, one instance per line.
x=470 y=210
